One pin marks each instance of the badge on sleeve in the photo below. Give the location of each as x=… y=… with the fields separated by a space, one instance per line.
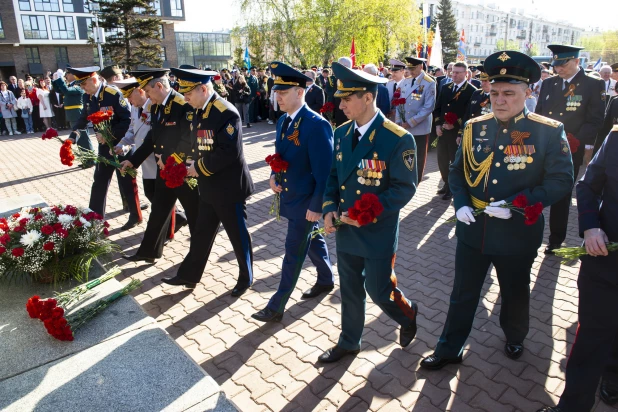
x=564 y=147
x=408 y=159
x=231 y=130
x=123 y=102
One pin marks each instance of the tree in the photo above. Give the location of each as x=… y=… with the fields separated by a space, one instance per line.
x=532 y=49
x=132 y=33
x=603 y=45
x=448 y=30
x=510 y=45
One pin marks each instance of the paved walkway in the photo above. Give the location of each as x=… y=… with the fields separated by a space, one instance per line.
x=273 y=366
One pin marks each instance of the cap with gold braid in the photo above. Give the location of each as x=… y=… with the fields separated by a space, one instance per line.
x=83 y=73
x=189 y=79
x=127 y=86
x=286 y=76
x=146 y=75
x=413 y=62
x=512 y=67
x=483 y=76
x=350 y=81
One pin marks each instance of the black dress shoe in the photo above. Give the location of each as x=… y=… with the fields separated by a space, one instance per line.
x=609 y=392
x=239 y=290
x=335 y=353
x=550 y=409
x=406 y=335
x=549 y=250
x=433 y=362
x=135 y=258
x=441 y=191
x=144 y=206
x=267 y=315
x=130 y=224
x=176 y=281
x=514 y=350
x=316 y=290
x=447 y=196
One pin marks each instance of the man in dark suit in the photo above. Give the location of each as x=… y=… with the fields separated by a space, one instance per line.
x=594 y=354
x=224 y=180
x=577 y=100
x=56 y=99
x=314 y=95
x=170 y=135
x=480 y=102
x=452 y=104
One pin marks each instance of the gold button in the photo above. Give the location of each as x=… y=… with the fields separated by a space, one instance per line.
x=286 y=189
x=491 y=199
x=358 y=192
x=342 y=200
x=285 y=180
x=495 y=182
x=342 y=187
x=154 y=145
x=504 y=131
x=560 y=114
x=498 y=164
x=550 y=113
x=193 y=150
x=161 y=146
x=285 y=171
x=500 y=147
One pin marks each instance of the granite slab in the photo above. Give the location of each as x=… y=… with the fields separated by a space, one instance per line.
x=10 y=205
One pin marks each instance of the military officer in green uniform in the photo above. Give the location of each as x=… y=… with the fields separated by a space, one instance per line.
x=502 y=155
x=372 y=155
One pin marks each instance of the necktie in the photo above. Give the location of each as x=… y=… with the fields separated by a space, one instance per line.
x=139 y=112
x=286 y=124
x=413 y=80
x=394 y=87
x=357 y=135
x=455 y=89
x=565 y=85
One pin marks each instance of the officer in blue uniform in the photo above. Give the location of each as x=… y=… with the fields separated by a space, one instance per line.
x=502 y=154
x=224 y=180
x=305 y=140
x=99 y=96
x=372 y=155
x=595 y=351
x=578 y=101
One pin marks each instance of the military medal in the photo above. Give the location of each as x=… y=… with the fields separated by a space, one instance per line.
x=340 y=157
x=487 y=149
x=479 y=147
x=483 y=130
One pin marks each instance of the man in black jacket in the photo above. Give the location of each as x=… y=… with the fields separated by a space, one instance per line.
x=224 y=180
x=314 y=95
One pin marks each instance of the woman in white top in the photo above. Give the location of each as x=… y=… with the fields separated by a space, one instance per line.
x=45 y=108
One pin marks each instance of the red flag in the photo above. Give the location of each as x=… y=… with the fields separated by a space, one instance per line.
x=353 y=53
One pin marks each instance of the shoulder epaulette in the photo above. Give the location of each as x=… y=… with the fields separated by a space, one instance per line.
x=220 y=105
x=180 y=100
x=111 y=90
x=543 y=120
x=486 y=116
x=398 y=130
x=615 y=128
x=429 y=79
x=343 y=124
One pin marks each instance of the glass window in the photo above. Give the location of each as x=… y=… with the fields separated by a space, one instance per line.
x=176 y=8
x=46 y=5
x=157 y=6
x=163 y=54
x=1 y=29
x=62 y=27
x=32 y=55
x=34 y=27
x=161 y=31
x=24 y=5
x=67 y=6
x=62 y=55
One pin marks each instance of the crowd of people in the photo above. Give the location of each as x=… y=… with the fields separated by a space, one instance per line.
x=354 y=140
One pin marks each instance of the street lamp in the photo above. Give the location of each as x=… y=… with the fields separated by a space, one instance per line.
x=98 y=33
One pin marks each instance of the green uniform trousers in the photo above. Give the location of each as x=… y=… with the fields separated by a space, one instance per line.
x=377 y=276
x=471 y=267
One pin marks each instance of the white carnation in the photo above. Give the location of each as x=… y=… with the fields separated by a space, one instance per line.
x=25 y=216
x=65 y=219
x=29 y=238
x=86 y=210
x=85 y=222
x=46 y=209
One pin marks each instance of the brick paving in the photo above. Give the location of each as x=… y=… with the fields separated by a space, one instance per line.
x=264 y=367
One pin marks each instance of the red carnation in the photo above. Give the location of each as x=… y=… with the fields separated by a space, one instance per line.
x=47 y=230
x=2 y=250
x=450 y=118
x=532 y=213
x=38 y=217
x=520 y=201
x=396 y=95
x=57 y=227
x=18 y=229
x=70 y=210
x=51 y=132
x=63 y=233
x=353 y=213
x=4 y=239
x=363 y=205
x=105 y=224
x=15 y=215
x=78 y=223
x=33 y=307
x=49 y=246
x=17 y=252
x=573 y=142
x=364 y=218
x=106 y=232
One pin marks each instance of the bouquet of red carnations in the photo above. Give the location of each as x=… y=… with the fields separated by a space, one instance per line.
x=450 y=118
x=399 y=103
x=519 y=205
x=328 y=111
x=365 y=211
x=52 y=243
x=573 y=142
x=175 y=173
x=278 y=166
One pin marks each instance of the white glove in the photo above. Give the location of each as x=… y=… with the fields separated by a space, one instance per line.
x=496 y=210
x=58 y=75
x=465 y=214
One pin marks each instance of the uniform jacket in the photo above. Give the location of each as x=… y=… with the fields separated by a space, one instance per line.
x=136 y=134
x=329 y=86
x=169 y=131
x=73 y=104
x=597 y=191
x=420 y=103
x=314 y=98
x=107 y=98
x=611 y=118
x=223 y=172
x=454 y=102
x=479 y=105
x=581 y=113
x=310 y=162
x=387 y=142
x=476 y=83
x=382 y=101
x=547 y=178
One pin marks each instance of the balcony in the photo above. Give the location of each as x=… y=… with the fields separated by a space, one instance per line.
x=477 y=44
x=521 y=35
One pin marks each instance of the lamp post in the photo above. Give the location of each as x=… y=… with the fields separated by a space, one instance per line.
x=99 y=36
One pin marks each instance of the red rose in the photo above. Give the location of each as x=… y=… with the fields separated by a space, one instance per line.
x=17 y=252
x=353 y=213
x=49 y=246
x=47 y=230
x=520 y=201
x=364 y=218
